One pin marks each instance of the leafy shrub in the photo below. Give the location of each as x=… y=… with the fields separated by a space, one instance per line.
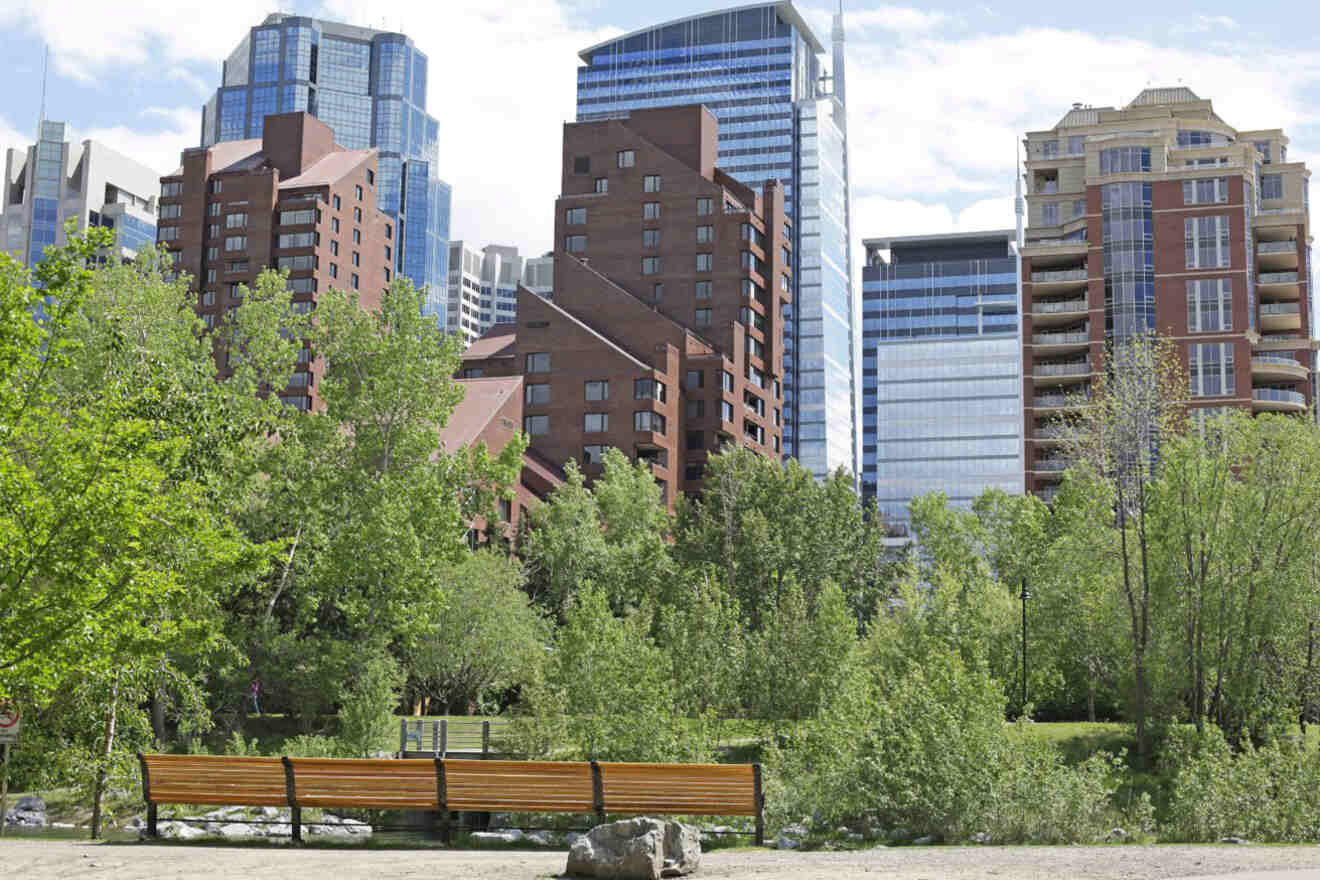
x=367 y=706
x=1268 y=794
x=310 y=745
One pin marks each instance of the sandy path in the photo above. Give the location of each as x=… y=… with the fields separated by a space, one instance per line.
x=46 y=860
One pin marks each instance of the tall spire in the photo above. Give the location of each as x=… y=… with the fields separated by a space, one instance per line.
x=836 y=38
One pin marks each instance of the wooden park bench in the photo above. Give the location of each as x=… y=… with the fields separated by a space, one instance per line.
x=452 y=785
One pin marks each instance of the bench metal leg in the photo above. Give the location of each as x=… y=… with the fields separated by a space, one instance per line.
x=759 y=797
x=152 y=831
x=295 y=820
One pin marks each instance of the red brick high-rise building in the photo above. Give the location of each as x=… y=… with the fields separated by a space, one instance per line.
x=1162 y=217
x=292 y=200
x=664 y=334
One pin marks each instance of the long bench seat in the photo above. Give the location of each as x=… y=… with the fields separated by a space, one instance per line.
x=444 y=785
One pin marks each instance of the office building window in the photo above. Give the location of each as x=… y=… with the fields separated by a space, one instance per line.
x=334 y=270
x=167 y=233
x=648 y=389
x=236 y=221
x=173 y=188
x=696 y=440
x=357 y=191
x=1206 y=191
x=650 y=265
x=536 y=425
x=334 y=248
x=726 y=380
x=726 y=411
x=210 y=276
x=645 y=420
x=1210 y=305
x=598 y=389
x=1211 y=367
x=1207 y=242
x=703 y=317
x=237 y=266
x=602 y=184
x=596 y=423
x=575 y=216
x=593 y=453
x=1271 y=186
x=538 y=362
x=213 y=253
x=703 y=207
x=357 y=236
x=650 y=210
x=169 y=212
x=236 y=243
x=705 y=262
x=658 y=291
x=357 y=216
x=705 y=234
x=208 y=298
x=695 y=379
x=650 y=238
x=538 y=393
x=1049 y=214
x=651 y=183
x=695 y=409
x=703 y=290
x=1079 y=208
x=581 y=164
x=334 y=225
x=627 y=158
x=1119 y=160
x=575 y=244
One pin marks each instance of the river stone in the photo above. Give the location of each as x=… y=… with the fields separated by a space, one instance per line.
x=791 y=836
x=636 y=849
x=498 y=837
x=238 y=829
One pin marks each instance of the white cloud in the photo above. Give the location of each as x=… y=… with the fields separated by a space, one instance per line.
x=502 y=82
x=167 y=131
x=90 y=39
x=13 y=139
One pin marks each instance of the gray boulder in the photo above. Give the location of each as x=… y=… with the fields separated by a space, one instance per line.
x=1118 y=835
x=234 y=830
x=791 y=836
x=636 y=849
x=176 y=831
x=1239 y=840
x=926 y=840
x=542 y=838
x=31 y=803
x=30 y=812
x=498 y=837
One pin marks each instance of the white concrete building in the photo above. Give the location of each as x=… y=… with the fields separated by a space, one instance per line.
x=483 y=286
x=58 y=179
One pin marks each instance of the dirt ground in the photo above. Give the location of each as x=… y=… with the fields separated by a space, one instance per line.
x=40 y=860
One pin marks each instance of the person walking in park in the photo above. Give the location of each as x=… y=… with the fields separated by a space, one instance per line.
x=254 y=692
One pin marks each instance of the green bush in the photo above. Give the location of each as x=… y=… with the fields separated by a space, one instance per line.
x=1269 y=794
x=367 y=705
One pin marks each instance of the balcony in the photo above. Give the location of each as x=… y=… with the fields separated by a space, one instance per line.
x=1059 y=402
x=1047 y=493
x=1057 y=313
x=1055 y=464
x=1291 y=215
x=1277 y=400
x=1278 y=285
x=1280 y=316
x=1277 y=368
x=1057 y=281
x=1056 y=246
x=1061 y=373
x=1052 y=433
x=1059 y=343
x=1274 y=256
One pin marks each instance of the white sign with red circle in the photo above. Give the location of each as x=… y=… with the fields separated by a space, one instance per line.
x=10 y=722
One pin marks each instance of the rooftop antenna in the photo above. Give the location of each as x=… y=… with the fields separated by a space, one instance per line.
x=45 y=70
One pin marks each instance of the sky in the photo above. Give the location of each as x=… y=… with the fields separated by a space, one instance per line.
x=938 y=94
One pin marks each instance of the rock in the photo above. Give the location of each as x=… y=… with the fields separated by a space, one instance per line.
x=1118 y=835
x=64 y=826
x=269 y=812
x=719 y=832
x=854 y=836
x=175 y=831
x=31 y=803
x=353 y=826
x=497 y=838
x=791 y=836
x=1233 y=840
x=571 y=838
x=982 y=838
x=26 y=818
x=541 y=838
x=224 y=813
x=279 y=830
x=233 y=830
x=925 y=840
x=842 y=830
x=636 y=849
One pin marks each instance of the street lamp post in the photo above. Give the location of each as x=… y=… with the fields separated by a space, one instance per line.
x=1025 y=595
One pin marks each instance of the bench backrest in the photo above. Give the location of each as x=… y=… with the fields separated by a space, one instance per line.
x=680 y=789
x=453 y=784
x=207 y=779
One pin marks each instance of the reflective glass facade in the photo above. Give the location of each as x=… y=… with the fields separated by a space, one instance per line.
x=941 y=377
x=758 y=70
x=370 y=87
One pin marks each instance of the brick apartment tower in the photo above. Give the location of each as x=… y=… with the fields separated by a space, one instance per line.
x=292 y=200
x=1160 y=216
x=664 y=335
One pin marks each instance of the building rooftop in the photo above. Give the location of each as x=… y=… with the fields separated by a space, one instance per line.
x=227 y=155
x=995 y=235
x=482 y=399
x=498 y=341
x=785 y=8
x=328 y=169
x=1168 y=95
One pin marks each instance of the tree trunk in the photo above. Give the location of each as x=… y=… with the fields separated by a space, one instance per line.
x=1090 y=698
x=98 y=789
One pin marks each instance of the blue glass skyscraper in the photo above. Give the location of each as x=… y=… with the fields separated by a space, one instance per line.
x=942 y=370
x=757 y=68
x=370 y=87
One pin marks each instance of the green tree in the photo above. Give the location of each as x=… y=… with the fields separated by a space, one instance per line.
x=486 y=639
